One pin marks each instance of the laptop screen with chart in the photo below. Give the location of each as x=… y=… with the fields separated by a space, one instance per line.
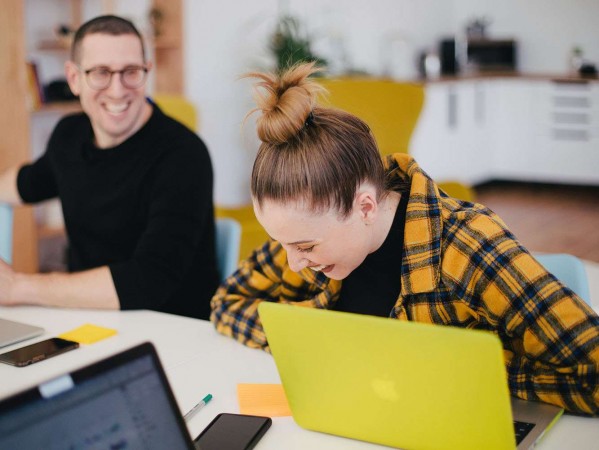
x=122 y=402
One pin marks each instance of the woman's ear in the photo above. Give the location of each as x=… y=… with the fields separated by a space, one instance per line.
x=367 y=205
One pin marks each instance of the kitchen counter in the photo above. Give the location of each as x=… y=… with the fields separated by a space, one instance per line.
x=557 y=77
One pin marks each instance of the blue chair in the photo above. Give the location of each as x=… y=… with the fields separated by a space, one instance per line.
x=569 y=270
x=6 y=232
x=228 y=240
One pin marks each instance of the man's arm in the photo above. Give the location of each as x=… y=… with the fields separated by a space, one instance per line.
x=88 y=289
x=8 y=186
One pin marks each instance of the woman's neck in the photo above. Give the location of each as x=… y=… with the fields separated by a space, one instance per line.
x=387 y=209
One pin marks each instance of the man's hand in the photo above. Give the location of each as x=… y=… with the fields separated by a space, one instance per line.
x=7 y=279
x=92 y=288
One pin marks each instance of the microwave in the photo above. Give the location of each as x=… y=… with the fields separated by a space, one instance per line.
x=483 y=55
x=491 y=55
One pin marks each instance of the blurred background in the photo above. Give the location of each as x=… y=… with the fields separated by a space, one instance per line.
x=508 y=109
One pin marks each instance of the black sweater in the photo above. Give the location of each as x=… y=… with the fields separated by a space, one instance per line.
x=143 y=208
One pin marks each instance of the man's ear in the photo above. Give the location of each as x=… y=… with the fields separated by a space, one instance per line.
x=74 y=76
x=367 y=205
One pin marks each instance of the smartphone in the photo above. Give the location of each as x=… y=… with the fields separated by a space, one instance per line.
x=232 y=432
x=39 y=351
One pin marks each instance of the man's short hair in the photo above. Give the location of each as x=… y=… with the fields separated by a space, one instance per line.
x=107 y=24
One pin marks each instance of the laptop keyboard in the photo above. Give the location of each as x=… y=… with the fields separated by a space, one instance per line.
x=522 y=429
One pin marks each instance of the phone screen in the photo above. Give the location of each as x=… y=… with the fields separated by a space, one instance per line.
x=37 y=352
x=232 y=432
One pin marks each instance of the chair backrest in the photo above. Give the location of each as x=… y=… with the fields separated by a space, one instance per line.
x=228 y=238
x=178 y=108
x=6 y=232
x=569 y=270
x=390 y=108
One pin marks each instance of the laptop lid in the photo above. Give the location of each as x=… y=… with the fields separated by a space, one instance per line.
x=12 y=332
x=121 y=402
x=397 y=383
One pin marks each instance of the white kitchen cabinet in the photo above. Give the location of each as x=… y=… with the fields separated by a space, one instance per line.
x=510 y=128
x=566 y=132
x=514 y=153
x=450 y=141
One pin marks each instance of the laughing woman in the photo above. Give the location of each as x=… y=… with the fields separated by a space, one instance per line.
x=353 y=232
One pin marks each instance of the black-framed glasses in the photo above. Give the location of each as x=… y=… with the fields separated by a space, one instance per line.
x=132 y=77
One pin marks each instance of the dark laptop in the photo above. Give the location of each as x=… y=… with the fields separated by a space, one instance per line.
x=122 y=402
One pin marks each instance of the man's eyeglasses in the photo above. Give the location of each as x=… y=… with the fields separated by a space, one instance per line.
x=99 y=78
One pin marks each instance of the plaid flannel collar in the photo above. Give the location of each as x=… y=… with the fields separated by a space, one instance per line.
x=421 y=263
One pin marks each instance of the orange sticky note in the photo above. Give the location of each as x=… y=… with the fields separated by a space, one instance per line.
x=88 y=334
x=262 y=400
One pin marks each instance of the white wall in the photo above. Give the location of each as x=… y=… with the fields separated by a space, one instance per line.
x=227 y=38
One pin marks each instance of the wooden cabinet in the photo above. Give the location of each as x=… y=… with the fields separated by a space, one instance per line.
x=168 y=47
x=14 y=125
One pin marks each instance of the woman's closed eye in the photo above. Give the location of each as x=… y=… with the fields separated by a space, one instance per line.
x=305 y=249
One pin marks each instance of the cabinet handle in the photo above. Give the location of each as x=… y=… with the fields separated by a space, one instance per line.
x=452 y=111
x=571 y=102
x=479 y=106
x=560 y=134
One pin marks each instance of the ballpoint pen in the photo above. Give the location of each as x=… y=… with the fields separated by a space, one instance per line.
x=200 y=405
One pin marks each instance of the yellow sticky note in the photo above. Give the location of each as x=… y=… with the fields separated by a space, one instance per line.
x=88 y=334
x=262 y=400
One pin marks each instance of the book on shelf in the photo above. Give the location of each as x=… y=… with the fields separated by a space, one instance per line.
x=35 y=89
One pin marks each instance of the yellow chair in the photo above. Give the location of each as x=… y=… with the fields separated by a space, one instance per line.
x=178 y=108
x=391 y=109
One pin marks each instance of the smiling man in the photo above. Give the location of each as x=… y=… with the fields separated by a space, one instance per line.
x=135 y=188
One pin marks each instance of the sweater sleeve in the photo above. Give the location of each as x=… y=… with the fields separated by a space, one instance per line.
x=550 y=335
x=266 y=276
x=36 y=182
x=179 y=213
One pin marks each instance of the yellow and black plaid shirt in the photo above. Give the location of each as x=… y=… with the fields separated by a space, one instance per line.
x=461 y=267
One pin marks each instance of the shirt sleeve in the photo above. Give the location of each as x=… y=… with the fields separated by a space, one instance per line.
x=179 y=212
x=265 y=276
x=36 y=182
x=550 y=336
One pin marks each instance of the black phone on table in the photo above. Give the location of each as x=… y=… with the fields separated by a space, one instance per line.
x=39 y=351
x=232 y=432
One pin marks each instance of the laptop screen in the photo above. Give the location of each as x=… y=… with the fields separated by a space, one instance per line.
x=123 y=402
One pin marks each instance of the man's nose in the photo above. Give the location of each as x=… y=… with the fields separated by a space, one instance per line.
x=116 y=83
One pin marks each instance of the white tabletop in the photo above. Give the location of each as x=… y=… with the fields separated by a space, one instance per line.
x=199 y=361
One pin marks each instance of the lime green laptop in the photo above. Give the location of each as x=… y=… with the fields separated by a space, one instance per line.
x=396 y=383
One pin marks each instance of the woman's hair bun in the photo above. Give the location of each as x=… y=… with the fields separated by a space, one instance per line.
x=285 y=100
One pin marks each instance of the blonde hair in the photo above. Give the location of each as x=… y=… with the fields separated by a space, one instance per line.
x=309 y=153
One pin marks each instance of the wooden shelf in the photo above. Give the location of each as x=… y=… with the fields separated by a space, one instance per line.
x=61 y=107
x=54 y=45
x=167 y=43
x=45 y=232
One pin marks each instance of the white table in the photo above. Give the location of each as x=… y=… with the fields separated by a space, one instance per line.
x=199 y=361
